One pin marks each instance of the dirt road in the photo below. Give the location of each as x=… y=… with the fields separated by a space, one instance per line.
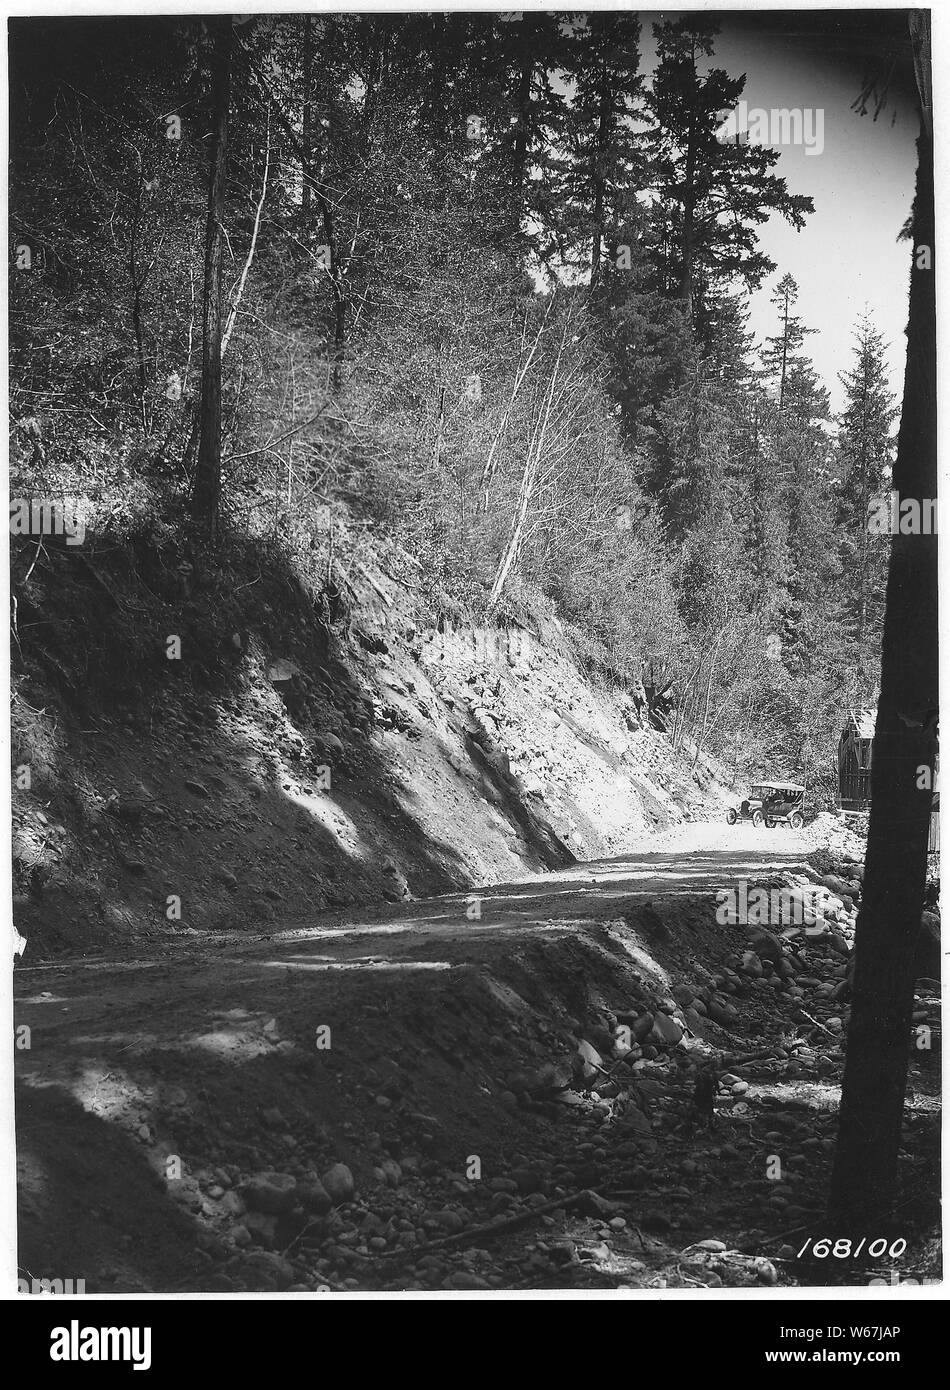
x=202 y=971
x=152 y=1089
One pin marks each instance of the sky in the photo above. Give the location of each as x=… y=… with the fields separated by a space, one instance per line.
x=862 y=183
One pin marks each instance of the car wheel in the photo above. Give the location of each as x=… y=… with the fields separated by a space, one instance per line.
x=757 y=819
x=731 y=816
x=769 y=823
x=796 y=820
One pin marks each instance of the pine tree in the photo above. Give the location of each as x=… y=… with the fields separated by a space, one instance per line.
x=646 y=334
x=795 y=422
x=530 y=111
x=603 y=160
x=766 y=554
x=715 y=194
x=782 y=352
x=865 y=451
x=700 y=458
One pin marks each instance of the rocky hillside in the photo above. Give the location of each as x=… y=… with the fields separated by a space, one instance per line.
x=201 y=750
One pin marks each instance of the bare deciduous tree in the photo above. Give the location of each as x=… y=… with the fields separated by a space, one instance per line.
x=207 y=490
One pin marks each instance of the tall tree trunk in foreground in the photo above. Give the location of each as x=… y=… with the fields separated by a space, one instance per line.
x=864 y=1179
x=207 y=493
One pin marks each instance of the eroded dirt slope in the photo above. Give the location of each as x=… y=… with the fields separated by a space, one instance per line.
x=198 y=751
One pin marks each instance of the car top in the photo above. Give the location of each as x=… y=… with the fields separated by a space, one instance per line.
x=780 y=787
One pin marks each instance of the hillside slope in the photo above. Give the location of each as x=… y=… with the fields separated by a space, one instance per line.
x=202 y=748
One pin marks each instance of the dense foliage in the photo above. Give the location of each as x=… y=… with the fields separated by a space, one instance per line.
x=484 y=291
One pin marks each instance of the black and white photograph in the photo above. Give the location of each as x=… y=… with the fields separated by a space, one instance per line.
x=473 y=660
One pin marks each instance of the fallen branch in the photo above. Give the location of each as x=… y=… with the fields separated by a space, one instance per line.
x=272 y=443
x=491 y=1228
x=817 y=1024
x=39 y=547
x=751 y=1246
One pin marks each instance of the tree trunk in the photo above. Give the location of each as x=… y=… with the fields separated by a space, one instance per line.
x=491 y=462
x=604 y=126
x=339 y=332
x=519 y=156
x=689 y=207
x=206 y=499
x=438 y=92
x=137 y=284
x=336 y=268
x=306 y=123
x=529 y=478
x=864 y=1179
x=242 y=283
x=781 y=387
x=440 y=431
x=705 y=717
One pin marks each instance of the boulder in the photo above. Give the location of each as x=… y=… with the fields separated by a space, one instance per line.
x=395 y=886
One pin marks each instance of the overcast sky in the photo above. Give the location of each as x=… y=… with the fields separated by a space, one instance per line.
x=862 y=183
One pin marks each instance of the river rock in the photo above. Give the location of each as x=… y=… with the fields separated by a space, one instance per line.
x=262 y=1227
x=666 y=1030
x=263 y=1271
x=449 y=1220
x=313 y=1195
x=526 y=1180
x=766 y=945
x=272 y=1193
x=339 y=1184
x=391 y=1172
x=642 y=1026
x=502 y=1185
x=723 y=1013
x=587 y=1062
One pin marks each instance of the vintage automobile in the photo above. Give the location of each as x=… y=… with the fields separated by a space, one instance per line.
x=771 y=802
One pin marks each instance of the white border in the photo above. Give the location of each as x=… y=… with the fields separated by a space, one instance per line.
x=941 y=52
